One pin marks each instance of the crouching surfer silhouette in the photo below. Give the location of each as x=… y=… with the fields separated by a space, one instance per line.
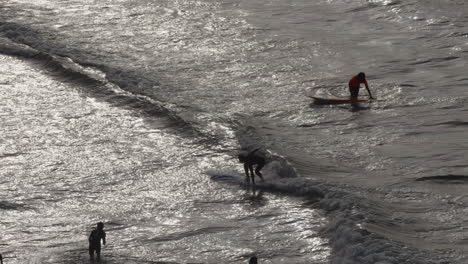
x=249 y=160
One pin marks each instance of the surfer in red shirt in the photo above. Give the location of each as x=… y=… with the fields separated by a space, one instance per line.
x=355 y=84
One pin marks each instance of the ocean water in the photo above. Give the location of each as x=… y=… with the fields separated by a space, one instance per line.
x=121 y=111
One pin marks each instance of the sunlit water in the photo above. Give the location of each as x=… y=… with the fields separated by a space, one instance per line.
x=120 y=111
x=69 y=161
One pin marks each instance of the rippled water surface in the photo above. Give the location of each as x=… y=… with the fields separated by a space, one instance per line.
x=121 y=111
x=71 y=160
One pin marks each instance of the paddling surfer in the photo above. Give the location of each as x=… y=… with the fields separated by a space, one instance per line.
x=355 y=84
x=250 y=159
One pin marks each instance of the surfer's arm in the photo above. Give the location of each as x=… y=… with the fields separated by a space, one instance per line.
x=368 y=90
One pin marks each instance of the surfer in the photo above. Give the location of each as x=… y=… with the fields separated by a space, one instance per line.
x=249 y=161
x=355 y=84
x=1 y=259
x=95 y=241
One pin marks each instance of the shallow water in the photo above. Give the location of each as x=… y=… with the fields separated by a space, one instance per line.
x=71 y=160
x=120 y=111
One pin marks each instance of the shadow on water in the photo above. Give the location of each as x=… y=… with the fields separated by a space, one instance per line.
x=354 y=106
x=255 y=197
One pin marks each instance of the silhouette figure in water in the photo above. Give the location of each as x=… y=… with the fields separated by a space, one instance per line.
x=1 y=259
x=355 y=84
x=253 y=260
x=95 y=241
x=249 y=161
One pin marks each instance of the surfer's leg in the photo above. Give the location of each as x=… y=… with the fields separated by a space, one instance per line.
x=251 y=174
x=354 y=92
x=91 y=252
x=98 y=253
x=258 y=168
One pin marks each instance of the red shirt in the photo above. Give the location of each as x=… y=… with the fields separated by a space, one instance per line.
x=355 y=83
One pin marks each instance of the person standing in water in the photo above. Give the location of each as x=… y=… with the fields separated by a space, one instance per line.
x=355 y=85
x=249 y=160
x=95 y=241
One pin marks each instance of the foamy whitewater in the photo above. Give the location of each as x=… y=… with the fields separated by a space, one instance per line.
x=123 y=111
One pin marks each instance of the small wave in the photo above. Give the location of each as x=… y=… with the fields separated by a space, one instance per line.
x=350 y=240
x=350 y=216
x=14 y=154
x=407 y=85
x=374 y=4
x=452 y=123
x=363 y=8
x=356 y=222
x=450 y=178
x=434 y=60
x=5 y=205
x=455 y=123
x=119 y=87
x=386 y=2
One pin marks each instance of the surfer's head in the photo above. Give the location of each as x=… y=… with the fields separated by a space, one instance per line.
x=100 y=225
x=253 y=260
x=361 y=76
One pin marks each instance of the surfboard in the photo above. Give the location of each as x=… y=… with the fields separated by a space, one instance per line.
x=229 y=179
x=236 y=180
x=322 y=100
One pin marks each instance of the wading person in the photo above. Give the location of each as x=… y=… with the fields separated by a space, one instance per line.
x=95 y=241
